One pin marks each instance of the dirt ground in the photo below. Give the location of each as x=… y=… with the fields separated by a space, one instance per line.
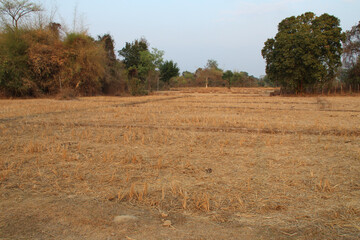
x=186 y=164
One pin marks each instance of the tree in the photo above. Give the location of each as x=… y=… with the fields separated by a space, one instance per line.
x=212 y=64
x=14 y=67
x=211 y=73
x=168 y=70
x=352 y=46
x=109 y=46
x=16 y=10
x=305 y=53
x=351 y=57
x=114 y=79
x=131 y=54
x=150 y=62
x=228 y=76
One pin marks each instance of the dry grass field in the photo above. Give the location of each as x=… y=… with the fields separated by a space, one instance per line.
x=186 y=164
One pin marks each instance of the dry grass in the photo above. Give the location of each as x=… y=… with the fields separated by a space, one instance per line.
x=285 y=167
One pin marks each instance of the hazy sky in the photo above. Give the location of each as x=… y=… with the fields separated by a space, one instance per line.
x=190 y=32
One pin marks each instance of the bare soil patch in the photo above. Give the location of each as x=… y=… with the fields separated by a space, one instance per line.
x=190 y=164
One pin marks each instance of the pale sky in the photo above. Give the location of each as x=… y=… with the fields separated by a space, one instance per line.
x=232 y=32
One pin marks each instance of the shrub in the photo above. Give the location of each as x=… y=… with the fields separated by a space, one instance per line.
x=14 y=68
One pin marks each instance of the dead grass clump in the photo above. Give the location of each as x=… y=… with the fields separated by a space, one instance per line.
x=66 y=94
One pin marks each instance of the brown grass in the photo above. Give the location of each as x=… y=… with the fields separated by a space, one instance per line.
x=282 y=167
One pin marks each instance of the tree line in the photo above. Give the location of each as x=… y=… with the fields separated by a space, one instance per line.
x=44 y=59
x=308 y=54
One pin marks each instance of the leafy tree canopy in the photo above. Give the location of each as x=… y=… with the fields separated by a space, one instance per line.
x=149 y=61
x=132 y=52
x=305 y=53
x=228 y=76
x=168 y=70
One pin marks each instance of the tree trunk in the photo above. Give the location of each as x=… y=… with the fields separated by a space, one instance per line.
x=149 y=82
x=207 y=82
x=157 y=87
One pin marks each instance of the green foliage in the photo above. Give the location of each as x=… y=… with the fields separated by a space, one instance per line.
x=353 y=75
x=305 y=53
x=141 y=63
x=14 y=68
x=266 y=82
x=187 y=79
x=132 y=54
x=168 y=70
x=239 y=79
x=228 y=76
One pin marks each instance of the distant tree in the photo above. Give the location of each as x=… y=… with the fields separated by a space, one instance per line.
x=114 y=79
x=168 y=70
x=212 y=64
x=16 y=10
x=305 y=53
x=264 y=81
x=352 y=57
x=109 y=46
x=14 y=67
x=188 y=74
x=132 y=53
x=211 y=73
x=150 y=62
x=352 y=46
x=228 y=77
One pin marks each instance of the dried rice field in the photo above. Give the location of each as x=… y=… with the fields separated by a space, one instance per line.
x=187 y=164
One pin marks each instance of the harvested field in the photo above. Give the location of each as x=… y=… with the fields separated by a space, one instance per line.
x=187 y=164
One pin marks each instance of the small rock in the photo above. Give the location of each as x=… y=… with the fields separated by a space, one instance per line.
x=125 y=218
x=167 y=223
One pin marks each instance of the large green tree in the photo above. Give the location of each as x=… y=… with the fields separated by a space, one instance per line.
x=305 y=53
